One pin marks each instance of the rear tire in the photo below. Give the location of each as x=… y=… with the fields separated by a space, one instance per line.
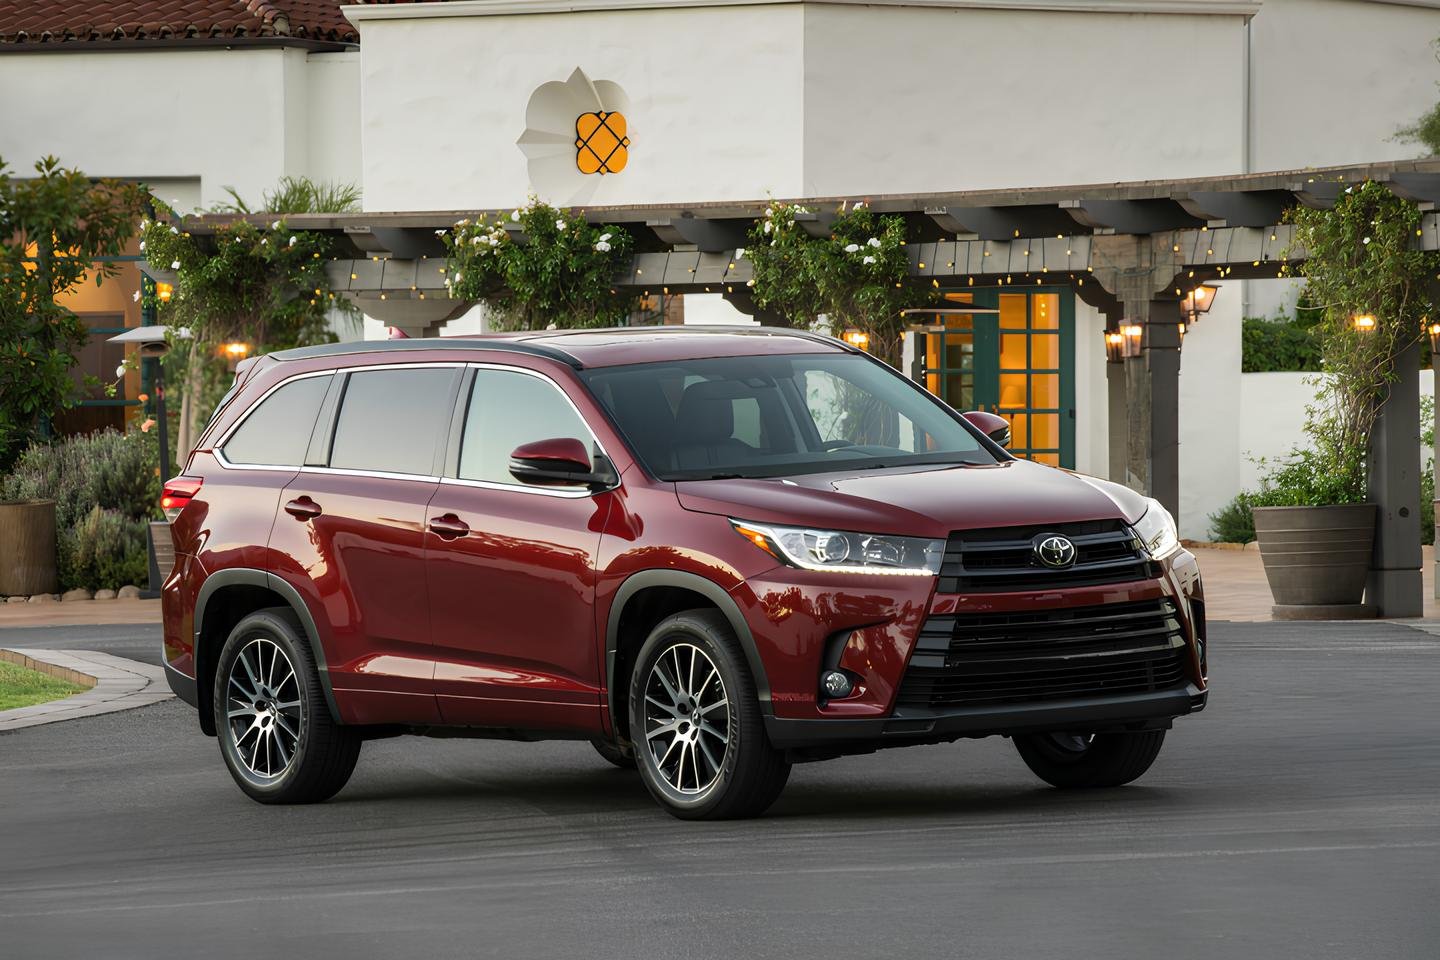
x=695 y=721
x=1102 y=760
x=274 y=726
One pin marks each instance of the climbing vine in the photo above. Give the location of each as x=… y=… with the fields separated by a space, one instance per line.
x=540 y=267
x=856 y=273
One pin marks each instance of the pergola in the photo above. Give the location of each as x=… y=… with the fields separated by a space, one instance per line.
x=1132 y=250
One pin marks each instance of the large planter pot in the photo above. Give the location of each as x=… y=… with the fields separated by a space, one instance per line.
x=1317 y=557
x=27 y=548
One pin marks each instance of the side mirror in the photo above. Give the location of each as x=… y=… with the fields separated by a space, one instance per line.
x=995 y=427
x=561 y=461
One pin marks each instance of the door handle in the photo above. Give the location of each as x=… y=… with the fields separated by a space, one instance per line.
x=449 y=527
x=303 y=508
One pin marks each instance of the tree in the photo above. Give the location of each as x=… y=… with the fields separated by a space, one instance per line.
x=1426 y=130
x=53 y=228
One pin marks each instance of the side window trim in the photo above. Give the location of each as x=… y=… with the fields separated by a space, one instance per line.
x=218 y=447
x=318 y=453
x=451 y=472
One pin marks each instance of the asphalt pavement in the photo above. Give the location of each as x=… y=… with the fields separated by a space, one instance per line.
x=1298 y=816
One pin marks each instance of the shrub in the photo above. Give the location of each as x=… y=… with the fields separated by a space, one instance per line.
x=1281 y=344
x=1234 y=522
x=115 y=473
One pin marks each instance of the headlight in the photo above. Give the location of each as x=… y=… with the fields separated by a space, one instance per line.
x=1157 y=533
x=845 y=552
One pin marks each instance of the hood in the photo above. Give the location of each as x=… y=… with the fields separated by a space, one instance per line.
x=918 y=501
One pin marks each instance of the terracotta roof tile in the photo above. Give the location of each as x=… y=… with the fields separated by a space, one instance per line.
x=172 y=21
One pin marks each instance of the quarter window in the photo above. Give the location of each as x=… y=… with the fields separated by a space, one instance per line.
x=277 y=432
x=390 y=420
x=508 y=409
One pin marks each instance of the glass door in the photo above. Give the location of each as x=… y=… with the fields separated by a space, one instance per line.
x=1018 y=363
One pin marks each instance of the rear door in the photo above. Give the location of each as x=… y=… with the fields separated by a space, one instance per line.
x=511 y=567
x=350 y=537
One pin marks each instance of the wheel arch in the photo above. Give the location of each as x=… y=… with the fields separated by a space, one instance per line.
x=668 y=588
x=235 y=593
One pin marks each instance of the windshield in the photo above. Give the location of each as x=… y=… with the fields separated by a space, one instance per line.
x=778 y=416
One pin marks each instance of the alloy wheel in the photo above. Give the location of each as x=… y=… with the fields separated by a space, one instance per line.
x=687 y=719
x=263 y=709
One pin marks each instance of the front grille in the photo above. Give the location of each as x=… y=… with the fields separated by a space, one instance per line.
x=1003 y=558
x=1003 y=658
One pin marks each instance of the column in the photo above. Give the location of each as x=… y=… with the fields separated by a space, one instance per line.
x=1395 y=587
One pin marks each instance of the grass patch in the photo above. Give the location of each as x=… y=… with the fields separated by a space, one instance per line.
x=23 y=687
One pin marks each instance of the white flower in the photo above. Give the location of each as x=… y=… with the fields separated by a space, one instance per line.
x=515 y=215
x=476 y=241
x=144 y=224
x=439 y=233
x=292 y=241
x=739 y=253
x=604 y=238
x=493 y=240
x=768 y=226
x=275 y=225
x=602 y=247
x=264 y=242
x=175 y=265
x=136 y=296
x=852 y=247
x=175 y=230
x=769 y=211
x=142 y=246
x=560 y=225
x=872 y=242
x=868 y=260
x=1366 y=240
x=457 y=276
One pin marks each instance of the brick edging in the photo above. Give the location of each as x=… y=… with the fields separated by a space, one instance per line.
x=115 y=684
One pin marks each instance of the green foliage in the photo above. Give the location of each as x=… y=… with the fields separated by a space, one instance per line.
x=551 y=268
x=857 y=276
x=1425 y=130
x=53 y=226
x=1234 y=522
x=298 y=195
x=105 y=485
x=1360 y=259
x=1279 y=344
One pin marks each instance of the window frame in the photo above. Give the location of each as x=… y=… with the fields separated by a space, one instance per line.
x=333 y=423
x=450 y=475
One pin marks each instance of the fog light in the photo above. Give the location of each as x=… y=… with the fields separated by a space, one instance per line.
x=836 y=684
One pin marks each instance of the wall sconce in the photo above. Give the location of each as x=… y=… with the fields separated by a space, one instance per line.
x=1363 y=322
x=1198 y=302
x=234 y=352
x=1433 y=329
x=1134 y=335
x=164 y=291
x=858 y=339
x=1114 y=346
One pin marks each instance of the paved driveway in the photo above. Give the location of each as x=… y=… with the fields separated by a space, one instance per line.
x=1299 y=816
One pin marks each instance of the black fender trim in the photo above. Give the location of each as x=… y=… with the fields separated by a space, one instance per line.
x=186 y=688
x=248 y=576
x=711 y=591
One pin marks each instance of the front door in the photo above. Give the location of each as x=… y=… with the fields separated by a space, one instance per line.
x=1018 y=362
x=510 y=568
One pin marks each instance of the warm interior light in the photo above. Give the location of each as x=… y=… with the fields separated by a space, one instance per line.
x=1133 y=331
x=1363 y=322
x=858 y=339
x=237 y=349
x=164 y=291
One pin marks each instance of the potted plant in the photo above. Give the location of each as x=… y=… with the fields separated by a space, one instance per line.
x=1316 y=530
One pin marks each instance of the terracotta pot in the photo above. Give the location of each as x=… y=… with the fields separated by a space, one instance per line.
x=27 y=548
x=1316 y=555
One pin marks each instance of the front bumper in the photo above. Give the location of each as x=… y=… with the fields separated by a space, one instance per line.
x=908 y=726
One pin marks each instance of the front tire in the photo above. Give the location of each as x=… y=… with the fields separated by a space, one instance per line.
x=1100 y=760
x=695 y=721
x=275 y=730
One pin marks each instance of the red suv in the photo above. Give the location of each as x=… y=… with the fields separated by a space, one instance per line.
x=712 y=553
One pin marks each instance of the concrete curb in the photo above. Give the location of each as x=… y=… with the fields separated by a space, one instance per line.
x=118 y=684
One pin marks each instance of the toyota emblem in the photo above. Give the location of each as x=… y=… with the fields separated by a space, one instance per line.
x=1053 y=550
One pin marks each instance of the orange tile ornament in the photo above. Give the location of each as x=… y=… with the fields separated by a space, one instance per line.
x=601 y=144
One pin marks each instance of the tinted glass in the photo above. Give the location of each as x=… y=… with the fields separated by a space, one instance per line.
x=391 y=420
x=506 y=410
x=776 y=416
x=277 y=432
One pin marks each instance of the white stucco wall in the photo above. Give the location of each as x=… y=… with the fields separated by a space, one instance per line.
x=909 y=99
x=195 y=120
x=1211 y=409
x=715 y=95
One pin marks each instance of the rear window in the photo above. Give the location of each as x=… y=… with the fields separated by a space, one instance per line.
x=391 y=420
x=277 y=431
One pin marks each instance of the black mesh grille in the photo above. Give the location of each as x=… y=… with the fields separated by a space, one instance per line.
x=1003 y=559
x=999 y=658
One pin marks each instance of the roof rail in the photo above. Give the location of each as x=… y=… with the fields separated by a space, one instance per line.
x=428 y=343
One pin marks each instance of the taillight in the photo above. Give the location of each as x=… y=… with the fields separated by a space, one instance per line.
x=178 y=492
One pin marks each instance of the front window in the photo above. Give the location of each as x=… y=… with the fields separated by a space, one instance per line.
x=778 y=416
